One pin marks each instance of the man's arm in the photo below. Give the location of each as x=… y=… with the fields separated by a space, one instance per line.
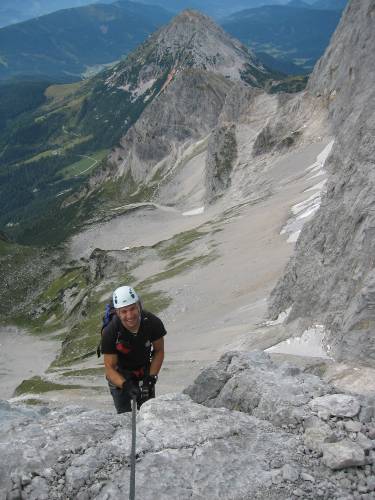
x=157 y=356
x=110 y=365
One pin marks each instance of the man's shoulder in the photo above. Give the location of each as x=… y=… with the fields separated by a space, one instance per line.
x=151 y=318
x=153 y=324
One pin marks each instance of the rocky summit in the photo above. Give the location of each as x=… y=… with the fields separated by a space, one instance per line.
x=247 y=428
x=192 y=39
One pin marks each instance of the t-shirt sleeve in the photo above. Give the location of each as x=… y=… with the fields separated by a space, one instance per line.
x=108 y=341
x=158 y=329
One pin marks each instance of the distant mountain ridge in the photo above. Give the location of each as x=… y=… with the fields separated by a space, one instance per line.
x=72 y=43
x=338 y=5
x=291 y=34
x=68 y=42
x=330 y=4
x=15 y=11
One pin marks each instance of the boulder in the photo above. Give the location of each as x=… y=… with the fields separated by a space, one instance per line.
x=315 y=437
x=342 y=455
x=353 y=426
x=252 y=383
x=337 y=405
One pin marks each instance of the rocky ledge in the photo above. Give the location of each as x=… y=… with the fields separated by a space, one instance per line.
x=247 y=428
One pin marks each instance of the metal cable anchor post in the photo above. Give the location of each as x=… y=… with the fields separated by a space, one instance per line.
x=132 y=456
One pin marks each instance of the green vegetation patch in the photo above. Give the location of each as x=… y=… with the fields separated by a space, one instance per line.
x=291 y=84
x=23 y=271
x=83 y=338
x=37 y=385
x=81 y=342
x=73 y=277
x=34 y=402
x=57 y=93
x=84 y=166
x=8 y=249
x=155 y=301
x=177 y=269
x=177 y=244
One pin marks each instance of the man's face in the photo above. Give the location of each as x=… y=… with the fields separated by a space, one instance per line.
x=129 y=316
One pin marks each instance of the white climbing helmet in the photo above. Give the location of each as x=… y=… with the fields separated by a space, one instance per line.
x=124 y=296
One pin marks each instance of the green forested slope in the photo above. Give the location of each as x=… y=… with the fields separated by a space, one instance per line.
x=66 y=43
x=47 y=153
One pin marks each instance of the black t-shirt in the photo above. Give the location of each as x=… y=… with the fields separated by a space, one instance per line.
x=133 y=350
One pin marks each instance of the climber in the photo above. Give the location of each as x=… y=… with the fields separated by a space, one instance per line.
x=133 y=348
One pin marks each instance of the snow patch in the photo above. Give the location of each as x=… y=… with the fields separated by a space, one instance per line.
x=280 y=319
x=293 y=237
x=63 y=192
x=142 y=88
x=317 y=187
x=301 y=207
x=196 y=211
x=310 y=343
x=318 y=165
x=304 y=210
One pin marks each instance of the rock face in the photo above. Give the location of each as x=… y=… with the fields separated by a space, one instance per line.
x=331 y=277
x=184 y=113
x=191 y=451
x=343 y=454
x=251 y=383
x=337 y=405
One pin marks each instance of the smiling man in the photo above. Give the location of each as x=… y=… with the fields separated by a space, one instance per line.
x=133 y=348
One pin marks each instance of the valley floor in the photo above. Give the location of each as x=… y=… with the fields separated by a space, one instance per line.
x=216 y=307
x=22 y=356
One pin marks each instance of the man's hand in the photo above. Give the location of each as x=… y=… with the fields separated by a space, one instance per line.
x=131 y=389
x=148 y=386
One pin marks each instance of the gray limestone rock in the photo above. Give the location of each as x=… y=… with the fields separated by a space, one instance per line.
x=371 y=483
x=337 y=405
x=257 y=386
x=221 y=154
x=367 y=412
x=331 y=278
x=290 y=473
x=187 y=450
x=183 y=448
x=352 y=425
x=315 y=437
x=183 y=114
x=364 y=442
x=343 y=454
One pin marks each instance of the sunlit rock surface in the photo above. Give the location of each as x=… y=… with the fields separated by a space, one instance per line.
x=188 y=450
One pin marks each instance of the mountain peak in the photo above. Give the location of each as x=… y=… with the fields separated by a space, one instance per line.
x=193 y=39
x=190 y=40
x=191 y=15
